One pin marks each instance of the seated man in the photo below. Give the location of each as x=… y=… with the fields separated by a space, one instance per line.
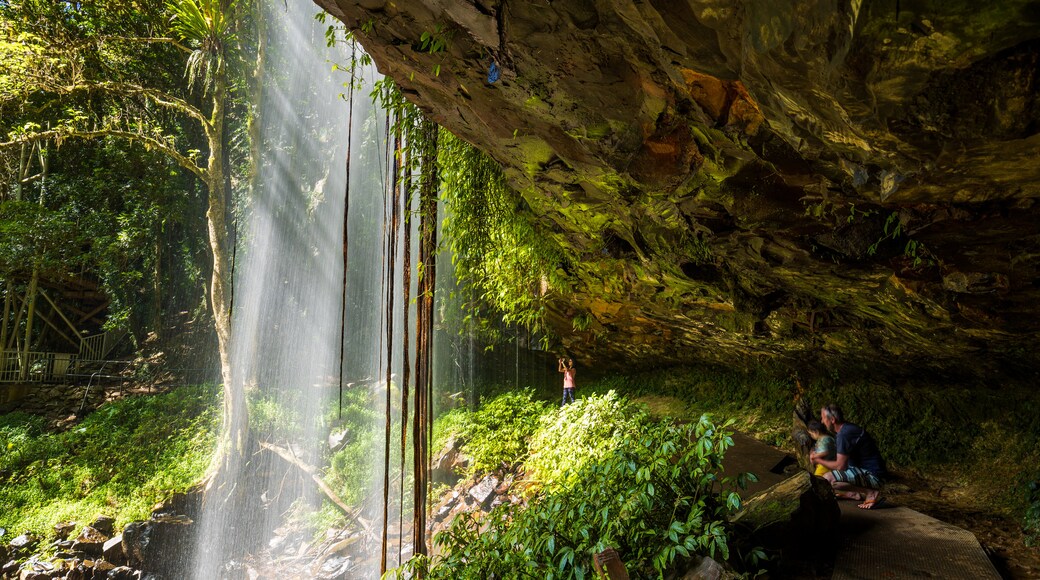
x=858 y=466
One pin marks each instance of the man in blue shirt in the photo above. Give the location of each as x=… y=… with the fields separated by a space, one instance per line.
x=858 y=467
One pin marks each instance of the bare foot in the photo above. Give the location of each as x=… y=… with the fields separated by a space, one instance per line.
x=872 y=500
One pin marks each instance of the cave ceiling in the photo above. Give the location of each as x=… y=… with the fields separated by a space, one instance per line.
x=810 y=182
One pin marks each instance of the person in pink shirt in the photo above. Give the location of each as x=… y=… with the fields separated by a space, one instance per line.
x=566 y=366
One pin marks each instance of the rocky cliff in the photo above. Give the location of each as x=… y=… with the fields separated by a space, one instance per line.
x=822 y=181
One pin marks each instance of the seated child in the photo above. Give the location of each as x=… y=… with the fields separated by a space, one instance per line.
x=825 y=445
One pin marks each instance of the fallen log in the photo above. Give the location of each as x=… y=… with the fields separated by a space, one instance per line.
x=288 y=455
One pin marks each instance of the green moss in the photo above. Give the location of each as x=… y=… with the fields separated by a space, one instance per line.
x=120 y=461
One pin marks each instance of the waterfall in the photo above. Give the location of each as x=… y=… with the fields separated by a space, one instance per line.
x=321 y=360
x=289 y=288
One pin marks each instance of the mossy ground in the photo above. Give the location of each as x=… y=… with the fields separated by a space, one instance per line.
x=119 y=461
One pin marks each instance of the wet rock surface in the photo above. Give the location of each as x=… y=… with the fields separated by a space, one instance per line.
x=154 y=549
x=734 y=180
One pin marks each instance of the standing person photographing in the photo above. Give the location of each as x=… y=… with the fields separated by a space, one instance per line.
x=566 y=366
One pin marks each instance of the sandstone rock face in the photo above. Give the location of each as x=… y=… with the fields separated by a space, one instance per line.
x=849 y=181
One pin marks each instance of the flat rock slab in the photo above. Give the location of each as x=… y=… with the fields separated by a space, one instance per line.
x=751 y=455
x=898 y=542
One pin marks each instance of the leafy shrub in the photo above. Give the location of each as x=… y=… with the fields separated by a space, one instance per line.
x=655 y=497
x=1031 y=521
x=580 y=434
x=498 y=431
x=273 y=416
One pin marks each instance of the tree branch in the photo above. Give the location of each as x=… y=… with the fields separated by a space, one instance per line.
x=59 y=135
x=310 y=470
x=156 y=96
x=146 y=39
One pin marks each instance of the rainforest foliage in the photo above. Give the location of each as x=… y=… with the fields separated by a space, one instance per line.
x=601 y=473
x=120 y=461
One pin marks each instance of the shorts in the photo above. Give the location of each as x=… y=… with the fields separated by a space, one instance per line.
x=858 y=477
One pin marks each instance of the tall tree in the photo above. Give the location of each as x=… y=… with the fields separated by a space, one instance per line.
x=79 y=54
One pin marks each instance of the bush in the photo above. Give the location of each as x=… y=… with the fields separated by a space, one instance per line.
x=655 y=497
x=1031 y=521
x=579 y=434
x=497 y=432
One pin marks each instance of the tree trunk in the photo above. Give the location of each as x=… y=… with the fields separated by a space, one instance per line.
x=23 y=172
x=234 y=433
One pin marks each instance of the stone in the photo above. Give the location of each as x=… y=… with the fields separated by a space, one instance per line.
x=148 y=544
x=136 y=538
x=791 y=516
x=756 y=180
x=79 y=572
x=484 y=489
x=9 y=567
x=22 y=544
x=335 y=568
x=123 y=573
x=449 y=463
x=62 y=531
x=709 y=569
x=339 y=439
x=104 y=524
x=112 y=550
x=88 y=549
x=89 y=534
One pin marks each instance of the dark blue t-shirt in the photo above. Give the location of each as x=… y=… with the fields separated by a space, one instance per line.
x=855 y=443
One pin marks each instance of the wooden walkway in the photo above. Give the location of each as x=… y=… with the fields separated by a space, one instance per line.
x=887 y=543
x=898 y=542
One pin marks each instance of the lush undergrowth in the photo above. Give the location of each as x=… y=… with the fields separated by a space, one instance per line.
x=119 y=461
x=601 y=472
x=980 y=438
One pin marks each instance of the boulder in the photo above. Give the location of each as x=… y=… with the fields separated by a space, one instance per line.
x=89 y=541
x=791 y=515
x=123 y=573
x=79 y=572
x=709 y=569
x=22 y=545
x=149 y=545
x=484 y=490
x=339 y=439
x=62 y=531
x=10 y=567
x=449 y=463
x=113 y=550
x=335 y=568
x=104 y=524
